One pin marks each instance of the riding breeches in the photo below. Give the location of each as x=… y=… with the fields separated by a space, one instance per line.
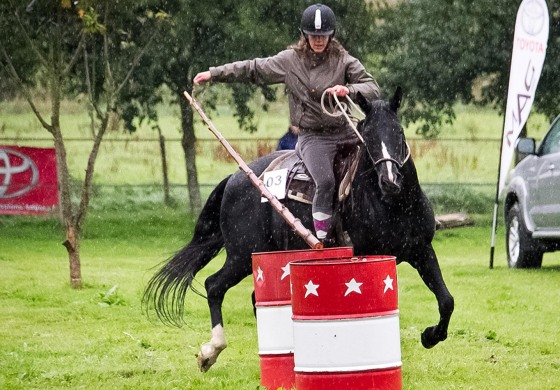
x=318 y=150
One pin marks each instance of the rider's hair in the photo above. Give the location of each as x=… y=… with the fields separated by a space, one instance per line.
x=334 y=47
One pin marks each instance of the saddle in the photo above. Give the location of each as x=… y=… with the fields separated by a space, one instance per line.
x=300 y=185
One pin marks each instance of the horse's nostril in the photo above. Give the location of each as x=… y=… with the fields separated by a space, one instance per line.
x=390 y=186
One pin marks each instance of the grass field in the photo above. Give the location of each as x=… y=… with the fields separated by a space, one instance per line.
x=503 y=334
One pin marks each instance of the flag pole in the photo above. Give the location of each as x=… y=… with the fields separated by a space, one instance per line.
x=497 y=197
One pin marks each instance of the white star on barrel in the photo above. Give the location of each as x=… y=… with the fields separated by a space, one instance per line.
x=286 y=270
x=353 y=286
x=260 y=275
x=388 y=284
x=311 y=289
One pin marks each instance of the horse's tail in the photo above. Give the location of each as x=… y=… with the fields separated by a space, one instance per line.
x=166 y=290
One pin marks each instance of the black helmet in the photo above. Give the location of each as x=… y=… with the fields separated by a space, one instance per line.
x=318 y=19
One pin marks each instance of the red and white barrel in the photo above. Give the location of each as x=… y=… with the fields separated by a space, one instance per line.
x=271 y=277
x=346 y=324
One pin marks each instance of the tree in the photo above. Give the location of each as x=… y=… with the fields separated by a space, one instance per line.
x=440 y=50
x=117 y=54
x=59 y=37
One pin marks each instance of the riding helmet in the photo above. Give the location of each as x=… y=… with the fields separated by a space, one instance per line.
x=318 y=19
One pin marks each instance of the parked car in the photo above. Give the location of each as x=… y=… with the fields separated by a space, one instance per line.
x=532 y=201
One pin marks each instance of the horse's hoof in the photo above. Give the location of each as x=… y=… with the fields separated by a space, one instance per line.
x=208 y=355
x=430 y=339
x=203 y=363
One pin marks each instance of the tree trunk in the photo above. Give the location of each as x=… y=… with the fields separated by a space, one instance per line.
x=72 y=245
x=188 y=142
x=72 y=231
x=166 y=195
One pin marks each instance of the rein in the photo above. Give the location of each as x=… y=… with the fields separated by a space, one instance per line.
x=343 y=107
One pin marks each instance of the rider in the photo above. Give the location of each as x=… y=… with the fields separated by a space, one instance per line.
x=316 y=63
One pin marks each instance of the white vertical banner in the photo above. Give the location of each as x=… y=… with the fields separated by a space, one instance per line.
x=527 y=58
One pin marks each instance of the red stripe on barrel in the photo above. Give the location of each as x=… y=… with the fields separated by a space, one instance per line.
x=390 y=379
x=344 y=288
x=271 y=272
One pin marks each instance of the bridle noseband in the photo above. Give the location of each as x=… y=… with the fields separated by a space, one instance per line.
x=390 y=159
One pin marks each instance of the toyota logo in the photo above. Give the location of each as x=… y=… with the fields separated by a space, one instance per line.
x=533 y=16
x=18 y=174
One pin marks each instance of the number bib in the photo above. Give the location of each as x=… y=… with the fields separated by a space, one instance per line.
x=275 y=182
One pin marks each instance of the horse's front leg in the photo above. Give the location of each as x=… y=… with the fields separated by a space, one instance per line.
x=430 y=272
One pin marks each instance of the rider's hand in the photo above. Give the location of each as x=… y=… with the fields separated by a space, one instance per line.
x=202 y=77
x=338 y=90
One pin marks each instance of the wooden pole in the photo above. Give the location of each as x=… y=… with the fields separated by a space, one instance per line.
x=294 y=222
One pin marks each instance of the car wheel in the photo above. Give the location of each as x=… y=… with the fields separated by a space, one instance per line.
x=522 y=250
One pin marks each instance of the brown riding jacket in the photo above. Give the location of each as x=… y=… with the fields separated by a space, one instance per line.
x=306 y=75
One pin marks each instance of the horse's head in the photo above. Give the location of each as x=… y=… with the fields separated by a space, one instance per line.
x=385 y=141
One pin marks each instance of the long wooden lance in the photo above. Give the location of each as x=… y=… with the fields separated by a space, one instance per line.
x=294 y=222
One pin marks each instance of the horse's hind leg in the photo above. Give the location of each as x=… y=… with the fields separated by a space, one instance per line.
x=216 y=287
x=430 y=272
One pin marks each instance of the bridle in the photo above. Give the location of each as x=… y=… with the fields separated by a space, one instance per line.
x=390 y=159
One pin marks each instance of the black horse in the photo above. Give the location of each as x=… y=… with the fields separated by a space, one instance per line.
x=386 y=213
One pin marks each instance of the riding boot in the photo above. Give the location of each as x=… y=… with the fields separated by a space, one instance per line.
x=322 y=224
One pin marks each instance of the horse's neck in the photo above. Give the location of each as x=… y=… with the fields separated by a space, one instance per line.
x=365 y=189
x=410 y=176
x=365 y=181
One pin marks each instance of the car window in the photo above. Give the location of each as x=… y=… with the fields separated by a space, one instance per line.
x=551 y=143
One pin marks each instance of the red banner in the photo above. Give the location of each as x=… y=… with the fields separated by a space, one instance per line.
x=28 y=180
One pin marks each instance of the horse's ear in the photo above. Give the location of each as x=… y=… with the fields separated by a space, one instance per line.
x=363 y=103
x=396 y=100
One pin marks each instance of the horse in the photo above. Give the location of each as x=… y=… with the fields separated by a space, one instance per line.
x=386 y=213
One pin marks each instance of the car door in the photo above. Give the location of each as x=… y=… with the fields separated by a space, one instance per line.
x=546 y=210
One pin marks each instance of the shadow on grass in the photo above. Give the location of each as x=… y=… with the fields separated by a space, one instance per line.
x=550 y=268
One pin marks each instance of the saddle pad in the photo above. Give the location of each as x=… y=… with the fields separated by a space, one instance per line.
x=300 y=186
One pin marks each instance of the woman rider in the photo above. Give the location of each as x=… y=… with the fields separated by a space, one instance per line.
x=318 y=62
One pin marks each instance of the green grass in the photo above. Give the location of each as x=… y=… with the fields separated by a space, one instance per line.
x=53 y=337
x=503 y=334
